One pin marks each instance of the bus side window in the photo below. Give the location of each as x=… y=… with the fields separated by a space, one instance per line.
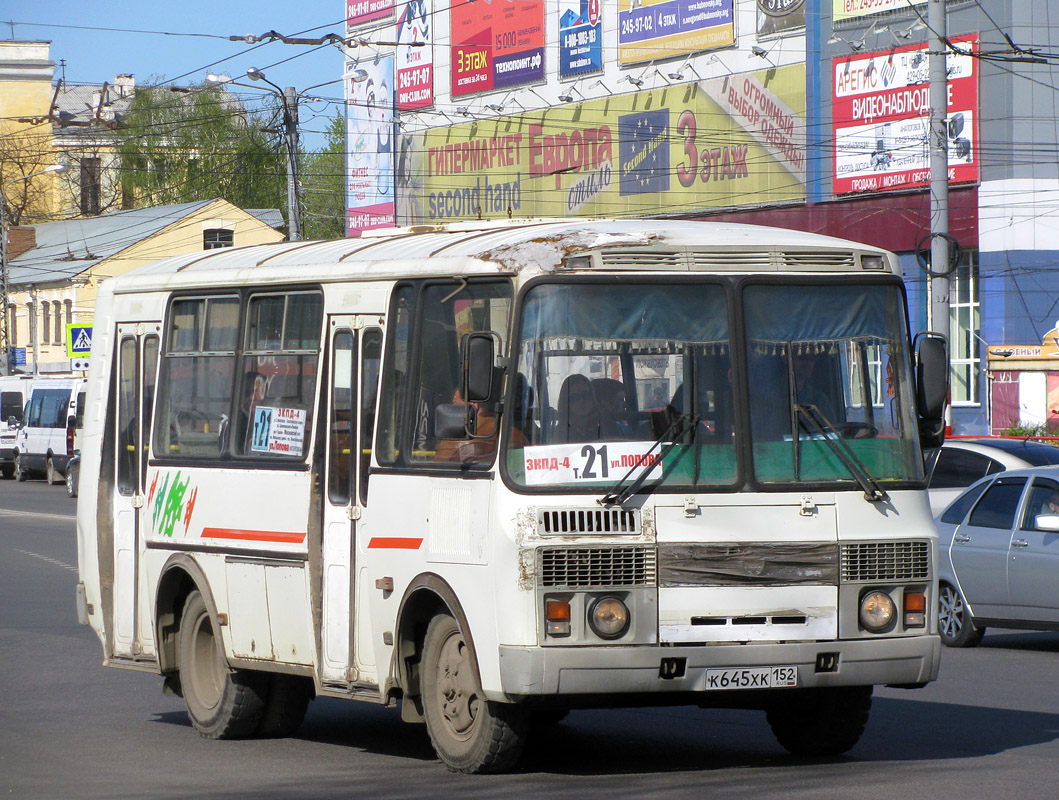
x=198 y=368
x=369 y=390
x=279 y=373
x=395 y=376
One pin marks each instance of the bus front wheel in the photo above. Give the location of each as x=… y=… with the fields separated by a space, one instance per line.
x=820 y=722
x=469 y=733
x=222 y=703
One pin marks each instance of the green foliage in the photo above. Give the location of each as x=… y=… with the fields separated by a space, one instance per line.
x=198 y=145
x=1021 y=429
x=323 y=192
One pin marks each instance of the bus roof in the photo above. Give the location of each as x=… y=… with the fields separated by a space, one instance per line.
x=513 y=246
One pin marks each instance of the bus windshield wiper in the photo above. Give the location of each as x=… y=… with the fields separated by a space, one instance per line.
x=819 y=424
x=617 y=495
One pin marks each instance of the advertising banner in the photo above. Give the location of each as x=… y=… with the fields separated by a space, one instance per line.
x=650 y=29
x=726 y=142
x=496 y=44
x=848 y=9
x=776 y=16
x=369 y=136
x=415 y=56
x=580 y=38
x=881 y=115
x=360 y=11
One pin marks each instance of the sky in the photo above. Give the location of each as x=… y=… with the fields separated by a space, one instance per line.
x=91 y=37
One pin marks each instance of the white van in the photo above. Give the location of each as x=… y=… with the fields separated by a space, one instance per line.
x=50 y=426
x=14 y=391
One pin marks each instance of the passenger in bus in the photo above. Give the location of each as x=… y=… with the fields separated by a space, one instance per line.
x=253 y=394
x=613 y=414
x=578 y=412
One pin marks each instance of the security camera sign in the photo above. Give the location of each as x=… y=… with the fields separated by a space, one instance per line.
x=881 y=118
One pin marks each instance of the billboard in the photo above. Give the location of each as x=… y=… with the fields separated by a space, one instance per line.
x=369 y=138
x=719 y=143
x=496 y=45
x=580 y=38
x=777 y=16
x=415 y=56
x=849 y=9
x=360 y=11
x=880 y=110
x=652 y=29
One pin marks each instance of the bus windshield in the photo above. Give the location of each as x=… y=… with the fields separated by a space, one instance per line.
x=612 y=380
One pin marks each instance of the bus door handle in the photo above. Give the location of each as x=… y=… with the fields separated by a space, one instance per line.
x=137 y=501
x=353 y=512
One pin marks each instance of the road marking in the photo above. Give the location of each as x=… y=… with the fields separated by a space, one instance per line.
x=6 y=512
x=50 y=560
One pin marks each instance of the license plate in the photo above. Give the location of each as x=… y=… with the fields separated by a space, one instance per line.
x=752 y=677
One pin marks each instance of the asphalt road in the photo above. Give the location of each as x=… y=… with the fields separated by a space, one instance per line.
x=988 y=728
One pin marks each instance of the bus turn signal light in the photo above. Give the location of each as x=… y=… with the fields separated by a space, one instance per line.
x=915 y=609
x=557 y=616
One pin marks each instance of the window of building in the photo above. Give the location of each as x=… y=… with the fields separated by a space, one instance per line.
x=45 y=310
x=964 y=330
x=12 y=325
x=90 y=186
x=57 y=308
x=213 y=238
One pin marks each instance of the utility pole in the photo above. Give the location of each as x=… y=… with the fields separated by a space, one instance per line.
x=938 y=313
x=290 y=127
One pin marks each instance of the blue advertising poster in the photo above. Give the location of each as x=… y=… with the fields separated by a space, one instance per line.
x=643 y=152
x=580 y=38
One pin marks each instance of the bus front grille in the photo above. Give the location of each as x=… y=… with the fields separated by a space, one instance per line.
x=885 y=561
x=595 y=567
x=552 y=521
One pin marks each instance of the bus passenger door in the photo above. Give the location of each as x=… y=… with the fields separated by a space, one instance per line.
x=354 y=367
x=136 y=371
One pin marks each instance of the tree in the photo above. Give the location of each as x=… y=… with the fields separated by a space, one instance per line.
x=323 y=187
x=26 y=151
x=197 y=145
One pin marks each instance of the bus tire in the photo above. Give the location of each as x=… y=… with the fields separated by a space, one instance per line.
x=955 y=625
x=820 y=722
x=288 y=700
x=470 y=734
x=222 y=703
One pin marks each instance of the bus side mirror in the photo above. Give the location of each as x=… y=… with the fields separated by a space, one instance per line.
x=932 y=387
x=479 y=353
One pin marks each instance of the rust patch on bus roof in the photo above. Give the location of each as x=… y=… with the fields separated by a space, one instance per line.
x=547 y=252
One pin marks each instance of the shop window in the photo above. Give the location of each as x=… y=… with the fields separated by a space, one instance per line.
x=965 y=324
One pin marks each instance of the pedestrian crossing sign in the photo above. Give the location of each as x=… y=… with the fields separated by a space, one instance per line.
x=78 y=340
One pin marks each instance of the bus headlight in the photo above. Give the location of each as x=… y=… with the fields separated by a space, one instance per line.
x=609 y=617
x=877 y=611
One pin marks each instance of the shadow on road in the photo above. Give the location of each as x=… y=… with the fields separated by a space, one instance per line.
x=655 y=741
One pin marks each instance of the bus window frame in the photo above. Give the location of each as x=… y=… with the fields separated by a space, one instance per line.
x=405 y=413
x=226 y=458
x=734 y=286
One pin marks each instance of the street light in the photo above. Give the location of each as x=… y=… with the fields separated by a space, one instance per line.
x=289 y=97
x=6 y=350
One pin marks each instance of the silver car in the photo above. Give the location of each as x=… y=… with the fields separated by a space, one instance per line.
x=958 y=463
x=998 y=546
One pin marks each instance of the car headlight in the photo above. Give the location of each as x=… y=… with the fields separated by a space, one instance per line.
x=877 y=611
x=609 y=617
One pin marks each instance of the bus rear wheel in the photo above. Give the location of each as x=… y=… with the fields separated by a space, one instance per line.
x=469 y=733
x=222 y=703
x=288 y=700
x=820 y=722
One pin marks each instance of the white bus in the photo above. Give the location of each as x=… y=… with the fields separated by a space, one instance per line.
x=496 y=471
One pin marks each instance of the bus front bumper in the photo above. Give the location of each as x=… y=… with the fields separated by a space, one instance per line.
x=536 y=671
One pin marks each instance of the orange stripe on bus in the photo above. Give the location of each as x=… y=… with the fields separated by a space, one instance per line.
x=287 y=537
x=394 y=543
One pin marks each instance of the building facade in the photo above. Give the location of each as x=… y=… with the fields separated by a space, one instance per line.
x=809 y=114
